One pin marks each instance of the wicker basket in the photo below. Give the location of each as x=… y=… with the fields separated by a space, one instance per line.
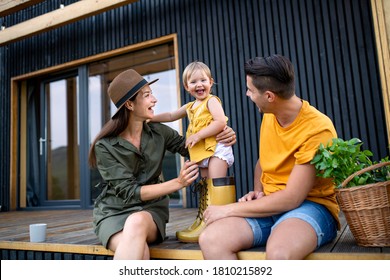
x=367 y=210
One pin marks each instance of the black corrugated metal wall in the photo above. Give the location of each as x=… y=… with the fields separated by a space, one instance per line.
x=6 y=254
x=331 y=43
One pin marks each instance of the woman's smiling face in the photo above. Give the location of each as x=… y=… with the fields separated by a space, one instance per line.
x=144 y=103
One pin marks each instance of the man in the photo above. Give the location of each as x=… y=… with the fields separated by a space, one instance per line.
x=290 y=210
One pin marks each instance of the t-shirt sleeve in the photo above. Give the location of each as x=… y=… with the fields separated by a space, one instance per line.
x=309 y=148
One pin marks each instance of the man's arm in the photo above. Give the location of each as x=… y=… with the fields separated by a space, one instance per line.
x=257 y=185
x=300 y=183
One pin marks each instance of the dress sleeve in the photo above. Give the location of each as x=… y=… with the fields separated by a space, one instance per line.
x=174 y=142
x=119 y=177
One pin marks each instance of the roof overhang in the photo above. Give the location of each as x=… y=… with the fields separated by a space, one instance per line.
x=54 y=19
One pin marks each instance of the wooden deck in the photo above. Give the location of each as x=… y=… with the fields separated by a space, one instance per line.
x=70 y=236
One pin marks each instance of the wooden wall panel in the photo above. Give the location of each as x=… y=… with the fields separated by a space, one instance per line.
x=331 y=43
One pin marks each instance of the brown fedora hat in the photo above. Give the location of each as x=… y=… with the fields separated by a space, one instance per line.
x=125 y=86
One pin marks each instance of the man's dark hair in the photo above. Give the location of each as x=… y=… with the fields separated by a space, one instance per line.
x=274 y=73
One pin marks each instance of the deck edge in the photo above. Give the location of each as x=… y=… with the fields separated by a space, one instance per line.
x=175 y=254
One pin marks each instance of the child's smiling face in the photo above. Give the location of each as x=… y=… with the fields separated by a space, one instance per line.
x=199 y=85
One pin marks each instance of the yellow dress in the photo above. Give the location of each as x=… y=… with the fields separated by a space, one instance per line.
x=200 y=117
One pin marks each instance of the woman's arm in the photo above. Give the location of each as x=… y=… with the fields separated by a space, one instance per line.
x=187 y=176
x=121 y=178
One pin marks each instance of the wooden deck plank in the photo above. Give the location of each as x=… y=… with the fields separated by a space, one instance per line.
x=347 y=244
x=71 y=232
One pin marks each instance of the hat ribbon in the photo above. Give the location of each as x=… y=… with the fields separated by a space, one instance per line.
x=131 y=92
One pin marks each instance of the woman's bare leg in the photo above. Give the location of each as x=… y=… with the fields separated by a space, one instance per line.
x=132 y=242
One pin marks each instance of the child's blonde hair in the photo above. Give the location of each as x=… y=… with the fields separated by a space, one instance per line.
x=194 y=66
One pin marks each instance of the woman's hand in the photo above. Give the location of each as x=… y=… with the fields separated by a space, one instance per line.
x=188 y=173
x=227 y=136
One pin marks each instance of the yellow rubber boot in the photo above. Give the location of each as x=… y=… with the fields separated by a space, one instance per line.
x=220 y=191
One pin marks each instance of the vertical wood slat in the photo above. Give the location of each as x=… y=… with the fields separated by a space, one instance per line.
x=23 y=140
x=330 y=42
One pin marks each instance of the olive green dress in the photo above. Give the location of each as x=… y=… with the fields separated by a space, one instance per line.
x=126 y=169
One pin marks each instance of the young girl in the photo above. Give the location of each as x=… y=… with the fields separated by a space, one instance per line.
x=206 y=119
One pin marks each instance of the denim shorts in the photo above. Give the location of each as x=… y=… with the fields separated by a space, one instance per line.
x=313 y=213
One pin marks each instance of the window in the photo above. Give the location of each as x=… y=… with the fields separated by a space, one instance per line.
x=62 y=110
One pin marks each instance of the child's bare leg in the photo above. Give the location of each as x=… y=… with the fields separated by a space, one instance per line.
x=204 y=172
x=217 y=168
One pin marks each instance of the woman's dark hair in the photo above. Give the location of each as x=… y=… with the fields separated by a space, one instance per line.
x=274 y=73
x=112 y=128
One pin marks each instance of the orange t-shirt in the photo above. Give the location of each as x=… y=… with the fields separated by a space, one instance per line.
x=283 y=147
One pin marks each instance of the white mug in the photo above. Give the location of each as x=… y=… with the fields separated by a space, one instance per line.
x=38 y=232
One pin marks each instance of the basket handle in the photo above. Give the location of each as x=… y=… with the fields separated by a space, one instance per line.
x=369 y=168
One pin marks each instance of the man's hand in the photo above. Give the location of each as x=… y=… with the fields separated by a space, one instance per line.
x=251 y=196
x=227 y=136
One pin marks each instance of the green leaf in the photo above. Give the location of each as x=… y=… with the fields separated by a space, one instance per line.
x=316 y=158
x=368 y=153
x=335 y=163
x=362 y=181
x=327 y=173
x=339 y=159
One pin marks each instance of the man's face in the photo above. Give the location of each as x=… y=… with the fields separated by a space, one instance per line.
x=253 y=93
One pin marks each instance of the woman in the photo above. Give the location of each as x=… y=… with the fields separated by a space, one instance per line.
x=132 y=210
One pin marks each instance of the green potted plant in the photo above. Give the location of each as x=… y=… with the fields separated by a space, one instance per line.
x=362 y=188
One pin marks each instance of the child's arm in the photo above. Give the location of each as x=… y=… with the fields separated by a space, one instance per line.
x=217 y=125
x=170 y=116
